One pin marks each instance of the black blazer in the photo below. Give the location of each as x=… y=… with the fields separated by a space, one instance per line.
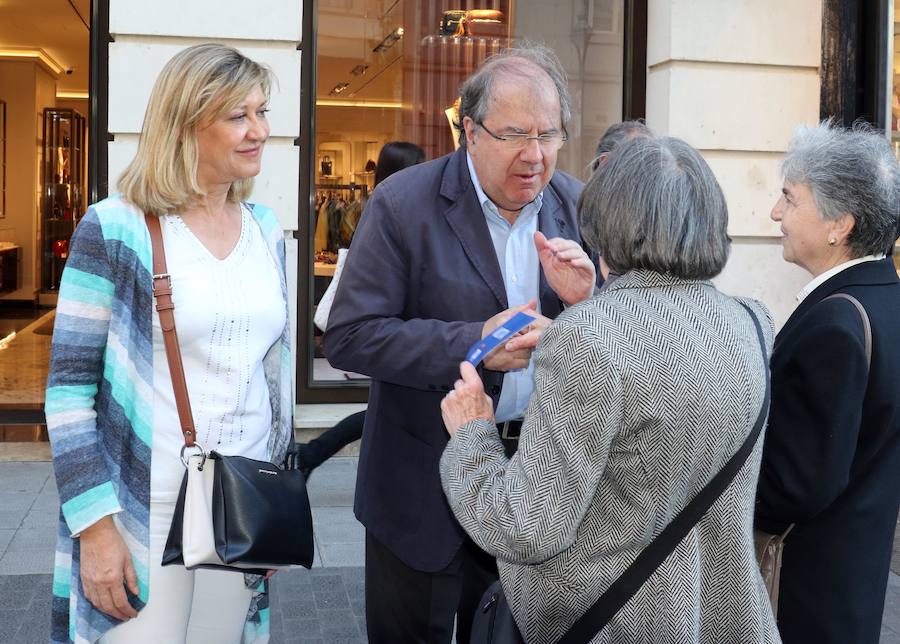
x=421 y=278
x=831 y=461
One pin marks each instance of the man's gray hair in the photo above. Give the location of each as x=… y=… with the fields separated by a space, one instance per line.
x=656 y=205
x=476 y=91
x=851 y=171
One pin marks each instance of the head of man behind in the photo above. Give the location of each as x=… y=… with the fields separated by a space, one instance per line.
x=514 y=111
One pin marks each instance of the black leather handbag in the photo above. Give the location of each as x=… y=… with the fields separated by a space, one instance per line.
x=494 y=624
x=232 y=512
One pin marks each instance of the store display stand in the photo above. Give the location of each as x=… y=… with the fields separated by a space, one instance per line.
x=62 y=193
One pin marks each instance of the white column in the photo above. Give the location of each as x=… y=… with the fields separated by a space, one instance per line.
x=734 y=79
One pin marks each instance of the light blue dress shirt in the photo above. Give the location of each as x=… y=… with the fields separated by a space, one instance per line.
x=520 y=266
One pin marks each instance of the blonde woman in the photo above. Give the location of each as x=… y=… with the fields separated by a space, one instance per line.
x=110 y=405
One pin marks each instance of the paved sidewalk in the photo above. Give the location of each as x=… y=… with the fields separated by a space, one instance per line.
x=320 y=606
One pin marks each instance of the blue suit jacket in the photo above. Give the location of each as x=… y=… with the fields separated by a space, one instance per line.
x=421 y=278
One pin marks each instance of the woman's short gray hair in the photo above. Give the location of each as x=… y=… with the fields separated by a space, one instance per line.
x=476 y=91
x=656 y=205
x=851 y=171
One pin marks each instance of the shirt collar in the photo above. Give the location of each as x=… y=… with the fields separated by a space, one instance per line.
x=485 y=201
x=817 y=281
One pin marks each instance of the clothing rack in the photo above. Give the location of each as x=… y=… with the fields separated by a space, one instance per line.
x=344 y=186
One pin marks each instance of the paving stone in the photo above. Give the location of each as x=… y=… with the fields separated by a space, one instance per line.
x=27 y=539
x=331 y=599
x=5 y=537
x=344 y=554
x=12 y=519
x=302 y=627
x=10 y=622
x=41 y=518
x=324 y=579
x=16 y=501
x=333 y=483
x=32 y=562
x=337 y=525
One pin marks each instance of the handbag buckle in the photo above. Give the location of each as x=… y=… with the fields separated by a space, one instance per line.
x=202 y=453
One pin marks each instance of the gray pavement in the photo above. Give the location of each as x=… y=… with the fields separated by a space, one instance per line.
x=320 y=606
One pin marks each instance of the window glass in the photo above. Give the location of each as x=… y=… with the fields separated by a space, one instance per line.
x=389 y=70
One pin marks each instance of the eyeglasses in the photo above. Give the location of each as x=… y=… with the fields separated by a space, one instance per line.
x=548 y=142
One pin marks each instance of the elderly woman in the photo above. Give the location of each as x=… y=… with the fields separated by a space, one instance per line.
x=831 y=464
x=110 y=406
x=642 y=393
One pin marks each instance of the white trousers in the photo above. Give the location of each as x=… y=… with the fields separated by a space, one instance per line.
x=185 y=606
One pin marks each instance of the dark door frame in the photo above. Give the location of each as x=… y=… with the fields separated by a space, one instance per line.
x=634 y=72
x=855 y=64
x=98 y=92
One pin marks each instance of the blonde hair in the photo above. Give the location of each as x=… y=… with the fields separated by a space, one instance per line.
x=197 y=86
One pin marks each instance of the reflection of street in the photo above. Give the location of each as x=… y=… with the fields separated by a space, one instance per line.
x=23 y=365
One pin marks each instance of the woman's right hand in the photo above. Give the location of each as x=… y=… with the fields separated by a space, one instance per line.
x=105 y=569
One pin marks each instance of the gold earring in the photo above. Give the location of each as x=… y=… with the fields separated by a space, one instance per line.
x=832 y=242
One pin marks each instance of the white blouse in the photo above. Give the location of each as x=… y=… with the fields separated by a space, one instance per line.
x=228 y=314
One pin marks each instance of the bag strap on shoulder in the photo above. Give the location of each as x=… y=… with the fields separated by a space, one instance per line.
x=867 y=326
x=162 y=293
x=646 y=563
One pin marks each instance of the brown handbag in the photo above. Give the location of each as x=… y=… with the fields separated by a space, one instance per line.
x=770 y=547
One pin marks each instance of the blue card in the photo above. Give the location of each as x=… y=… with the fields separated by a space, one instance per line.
x=495 y=338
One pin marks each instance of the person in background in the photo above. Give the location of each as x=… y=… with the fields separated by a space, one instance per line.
x=615 y=135
x=831 y=465
x=394 y=156
x=110 y=407
x=642 y=394
x=446 y=252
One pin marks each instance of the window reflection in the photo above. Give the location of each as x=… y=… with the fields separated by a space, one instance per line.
x=389 y=70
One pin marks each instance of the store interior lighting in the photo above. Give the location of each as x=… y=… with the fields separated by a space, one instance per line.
x=389 y=41
x=38 y=55
x=337 y=89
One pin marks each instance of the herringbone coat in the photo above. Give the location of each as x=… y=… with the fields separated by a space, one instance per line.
x=641 y=395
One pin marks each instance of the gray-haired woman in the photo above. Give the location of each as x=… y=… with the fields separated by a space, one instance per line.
x=642 y=393
x=831 y=464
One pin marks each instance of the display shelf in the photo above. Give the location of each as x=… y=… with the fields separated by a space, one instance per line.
x=63 y=189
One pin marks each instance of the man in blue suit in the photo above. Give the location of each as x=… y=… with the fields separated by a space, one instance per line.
x=444 y=253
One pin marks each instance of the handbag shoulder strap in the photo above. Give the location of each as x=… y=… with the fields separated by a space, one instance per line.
x=867 y=326
x=646 y=563
x=162 y=293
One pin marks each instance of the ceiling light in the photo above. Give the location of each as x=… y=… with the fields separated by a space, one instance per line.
x=79 y=95
x=38 y=55
x=337 y=89
x=359 y=70
x=389 y=41
x=384 y=105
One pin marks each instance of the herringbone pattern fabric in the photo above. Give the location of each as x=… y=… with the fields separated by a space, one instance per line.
x=641 y=395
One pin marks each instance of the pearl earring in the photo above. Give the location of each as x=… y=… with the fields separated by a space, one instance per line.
x=832 y=242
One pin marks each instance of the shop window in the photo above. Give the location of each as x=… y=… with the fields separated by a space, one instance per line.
x=2 y=159
x=389 y=70
x=52 y=79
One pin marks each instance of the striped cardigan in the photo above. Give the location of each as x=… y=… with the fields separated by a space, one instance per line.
x=99 y=403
